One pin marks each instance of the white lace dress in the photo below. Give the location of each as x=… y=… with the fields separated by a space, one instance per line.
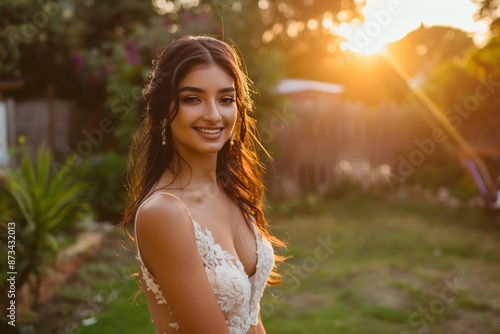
x=237 y=294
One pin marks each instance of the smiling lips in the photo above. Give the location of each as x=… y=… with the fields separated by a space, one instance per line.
x=209 y=131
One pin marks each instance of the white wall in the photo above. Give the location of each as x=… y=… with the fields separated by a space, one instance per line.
x=4 y=139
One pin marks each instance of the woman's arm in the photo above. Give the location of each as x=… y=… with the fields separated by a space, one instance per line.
x=165 y=235
x=260 y=327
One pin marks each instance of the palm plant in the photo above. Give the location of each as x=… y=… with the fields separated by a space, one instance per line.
x=43 y=202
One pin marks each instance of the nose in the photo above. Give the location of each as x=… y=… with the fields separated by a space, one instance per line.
x=212 y=113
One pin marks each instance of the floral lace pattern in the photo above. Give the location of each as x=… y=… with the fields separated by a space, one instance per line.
x=237 y=294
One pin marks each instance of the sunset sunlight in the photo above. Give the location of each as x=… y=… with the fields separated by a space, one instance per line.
x=250 y=166
x=389 y=21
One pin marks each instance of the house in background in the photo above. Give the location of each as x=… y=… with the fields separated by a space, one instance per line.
x=331 y=139
x=6 y=117
x=50 y=121
x=4 y=136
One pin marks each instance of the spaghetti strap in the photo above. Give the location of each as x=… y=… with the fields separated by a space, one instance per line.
x=151 y=196
x=137 y=213
x=177 y=198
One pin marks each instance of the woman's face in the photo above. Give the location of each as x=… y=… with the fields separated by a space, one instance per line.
x=207 y=111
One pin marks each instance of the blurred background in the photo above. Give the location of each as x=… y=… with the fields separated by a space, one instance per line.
x=383 y=120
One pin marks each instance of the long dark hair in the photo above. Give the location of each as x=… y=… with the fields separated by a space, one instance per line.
x=239 y=169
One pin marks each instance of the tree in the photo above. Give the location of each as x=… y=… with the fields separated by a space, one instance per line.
x=487 y=9
x=484 y=63
x=36 y=40
x=472 y=105
x=422 y=49
x=39 y=39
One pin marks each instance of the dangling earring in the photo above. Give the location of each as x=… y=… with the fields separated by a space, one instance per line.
x=231 y=142
x=163 y=134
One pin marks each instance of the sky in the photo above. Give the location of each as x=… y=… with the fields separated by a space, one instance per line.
x=390 y=20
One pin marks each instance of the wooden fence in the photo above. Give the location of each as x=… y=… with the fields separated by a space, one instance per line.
x=39 y=122
x=42 y=121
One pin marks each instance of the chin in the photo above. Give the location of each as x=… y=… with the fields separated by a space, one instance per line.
x=210 y=149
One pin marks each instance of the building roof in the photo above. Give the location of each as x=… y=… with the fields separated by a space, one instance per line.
x=291 y=86
x=10 y=84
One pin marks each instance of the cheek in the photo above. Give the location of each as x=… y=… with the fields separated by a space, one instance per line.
x=183 y=116
x=179 y=124
x=233 y=115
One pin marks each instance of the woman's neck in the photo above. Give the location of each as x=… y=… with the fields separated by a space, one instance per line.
x=191 y=173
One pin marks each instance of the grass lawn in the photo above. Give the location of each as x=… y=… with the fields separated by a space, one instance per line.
x=364 y=266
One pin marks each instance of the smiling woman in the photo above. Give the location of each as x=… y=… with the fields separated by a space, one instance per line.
x=207 y=111
x=194 y=205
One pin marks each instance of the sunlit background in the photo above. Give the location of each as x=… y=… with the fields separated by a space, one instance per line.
x=392 y=22
x=382 y=118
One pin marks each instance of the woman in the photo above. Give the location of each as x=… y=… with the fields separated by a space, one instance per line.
x=195 y=194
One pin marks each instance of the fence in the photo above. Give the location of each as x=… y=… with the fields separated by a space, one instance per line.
x=331 y=139
x=40 y=121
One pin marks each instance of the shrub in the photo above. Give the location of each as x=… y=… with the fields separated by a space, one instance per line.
x=42 y=202
x=104 y=175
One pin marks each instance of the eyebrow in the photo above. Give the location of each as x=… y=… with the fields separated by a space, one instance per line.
x=199 y=90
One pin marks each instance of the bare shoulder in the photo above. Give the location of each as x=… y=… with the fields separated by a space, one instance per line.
x=163 y=209
x=163 y=222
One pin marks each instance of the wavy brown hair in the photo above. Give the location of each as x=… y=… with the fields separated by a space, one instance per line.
x=239 y=169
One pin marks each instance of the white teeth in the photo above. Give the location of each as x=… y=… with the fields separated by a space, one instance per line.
x=209 y=130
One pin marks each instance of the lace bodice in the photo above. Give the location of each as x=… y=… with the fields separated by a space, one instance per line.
x=237 y=294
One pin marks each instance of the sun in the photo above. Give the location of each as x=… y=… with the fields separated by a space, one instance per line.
x=385 y=22
x=374 y=49
x=361 y=39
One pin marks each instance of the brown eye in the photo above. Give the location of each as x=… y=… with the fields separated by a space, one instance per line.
x=191 y=99
x=227 y=100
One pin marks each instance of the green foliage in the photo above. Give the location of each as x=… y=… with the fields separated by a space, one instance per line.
x=386 y=313
x=471 y=108
x=441 y=84
x=465 y=189
x=487 y=8
x=107 y=192
x=478 y=73
x=35 y=41
x=127 y=64
x=303 y=206
x=42 y=204
x=443 y=172
x=486 y=61
x=104 y=20
x=38 y=39
x=345 y=188
x=8 y=211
